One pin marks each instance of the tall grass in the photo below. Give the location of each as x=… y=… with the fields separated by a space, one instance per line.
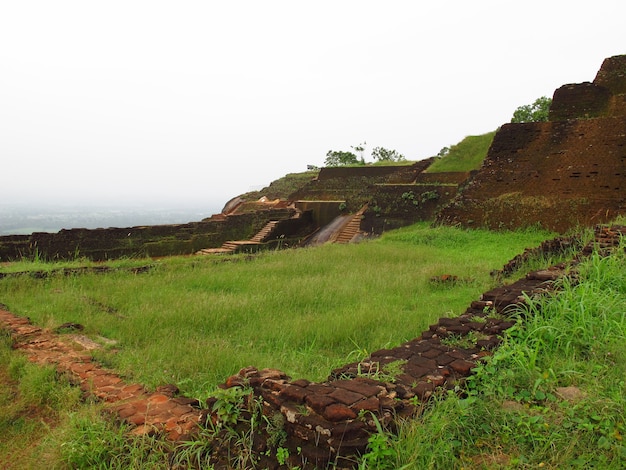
x=33 y=401
x=195 y=321
x=552 y=396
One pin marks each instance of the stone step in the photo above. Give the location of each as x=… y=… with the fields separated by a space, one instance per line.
x=352 y=228
x=264 y=232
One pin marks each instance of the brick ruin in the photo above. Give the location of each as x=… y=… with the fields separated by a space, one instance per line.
x=561 y=173
x=397 y=196
x=323 y=423
x=567 y=172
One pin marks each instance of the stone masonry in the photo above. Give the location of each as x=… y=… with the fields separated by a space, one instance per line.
x=560 y=174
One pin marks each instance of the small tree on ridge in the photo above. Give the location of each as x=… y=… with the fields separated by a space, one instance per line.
x=536 y=112
x=340 y=158
x=382 y=154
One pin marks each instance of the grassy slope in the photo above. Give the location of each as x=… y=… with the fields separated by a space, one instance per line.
x=553 y=396
x=467 y=155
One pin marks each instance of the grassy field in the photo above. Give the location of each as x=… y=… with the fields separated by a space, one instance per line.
x=194 y=321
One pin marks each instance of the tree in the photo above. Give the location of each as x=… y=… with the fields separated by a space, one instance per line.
x=340 y=158
x=382 y=154
x=443 y=152
x=538 y=111
x=360 y=149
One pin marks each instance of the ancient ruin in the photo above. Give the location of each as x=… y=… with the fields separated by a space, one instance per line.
x=321 y=423
x=560 y=174
x=357 y=201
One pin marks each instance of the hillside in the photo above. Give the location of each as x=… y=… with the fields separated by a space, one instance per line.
x=467 y=155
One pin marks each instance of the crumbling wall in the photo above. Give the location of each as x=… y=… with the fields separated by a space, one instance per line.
x=394 y=206
x=154 y=240
x=560 y=174
x=331 y=422
x=612 y=74
x=582 y=100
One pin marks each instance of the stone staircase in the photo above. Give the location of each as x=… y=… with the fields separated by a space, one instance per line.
x=233 y=246
x=262 y=235
x=351 y=229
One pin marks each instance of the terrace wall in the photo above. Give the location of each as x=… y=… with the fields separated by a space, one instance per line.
x=560 y=174
x=154 y=240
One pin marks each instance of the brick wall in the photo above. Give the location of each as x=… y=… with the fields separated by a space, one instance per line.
x=559 y=174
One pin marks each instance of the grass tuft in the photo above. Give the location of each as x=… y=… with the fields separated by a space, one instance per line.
x=552 y=396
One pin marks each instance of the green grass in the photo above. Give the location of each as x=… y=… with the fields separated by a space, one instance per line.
x=516 y=413
x=467 y=155
x=282 y=187
x=195 y=321
x=37 y=264
x=33 y=401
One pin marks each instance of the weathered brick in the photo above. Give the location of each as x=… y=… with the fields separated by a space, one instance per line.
x=346 y=396
x=350 y=430
x=293 y=393
x=358 y=386
x=369 y=404
x=319 y=402
x=424 y=389
x=462 y=367
x=338 y=412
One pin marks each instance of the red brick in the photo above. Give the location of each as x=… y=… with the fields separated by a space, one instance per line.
x=319 y=402
x=293 y=393
x=338 y=412
x=359 y=386
x=462 y=367
x=369 y=404
x=158 y=398
x=346 y=396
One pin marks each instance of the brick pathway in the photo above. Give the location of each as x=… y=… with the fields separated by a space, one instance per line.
x=161 y=410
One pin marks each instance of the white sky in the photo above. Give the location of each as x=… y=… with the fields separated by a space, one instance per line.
x=199 y=101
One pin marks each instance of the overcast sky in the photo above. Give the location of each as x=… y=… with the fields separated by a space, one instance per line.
x=198 y=101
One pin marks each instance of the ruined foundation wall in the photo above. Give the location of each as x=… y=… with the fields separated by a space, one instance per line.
x=154 y=240
x=560 y=174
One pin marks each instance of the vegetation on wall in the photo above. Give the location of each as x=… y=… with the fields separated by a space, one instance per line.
x=282 y=187
x=467 y=155
x=552 y=396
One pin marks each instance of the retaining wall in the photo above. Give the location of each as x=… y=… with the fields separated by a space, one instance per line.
x=154 y=240
x=561 y=174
